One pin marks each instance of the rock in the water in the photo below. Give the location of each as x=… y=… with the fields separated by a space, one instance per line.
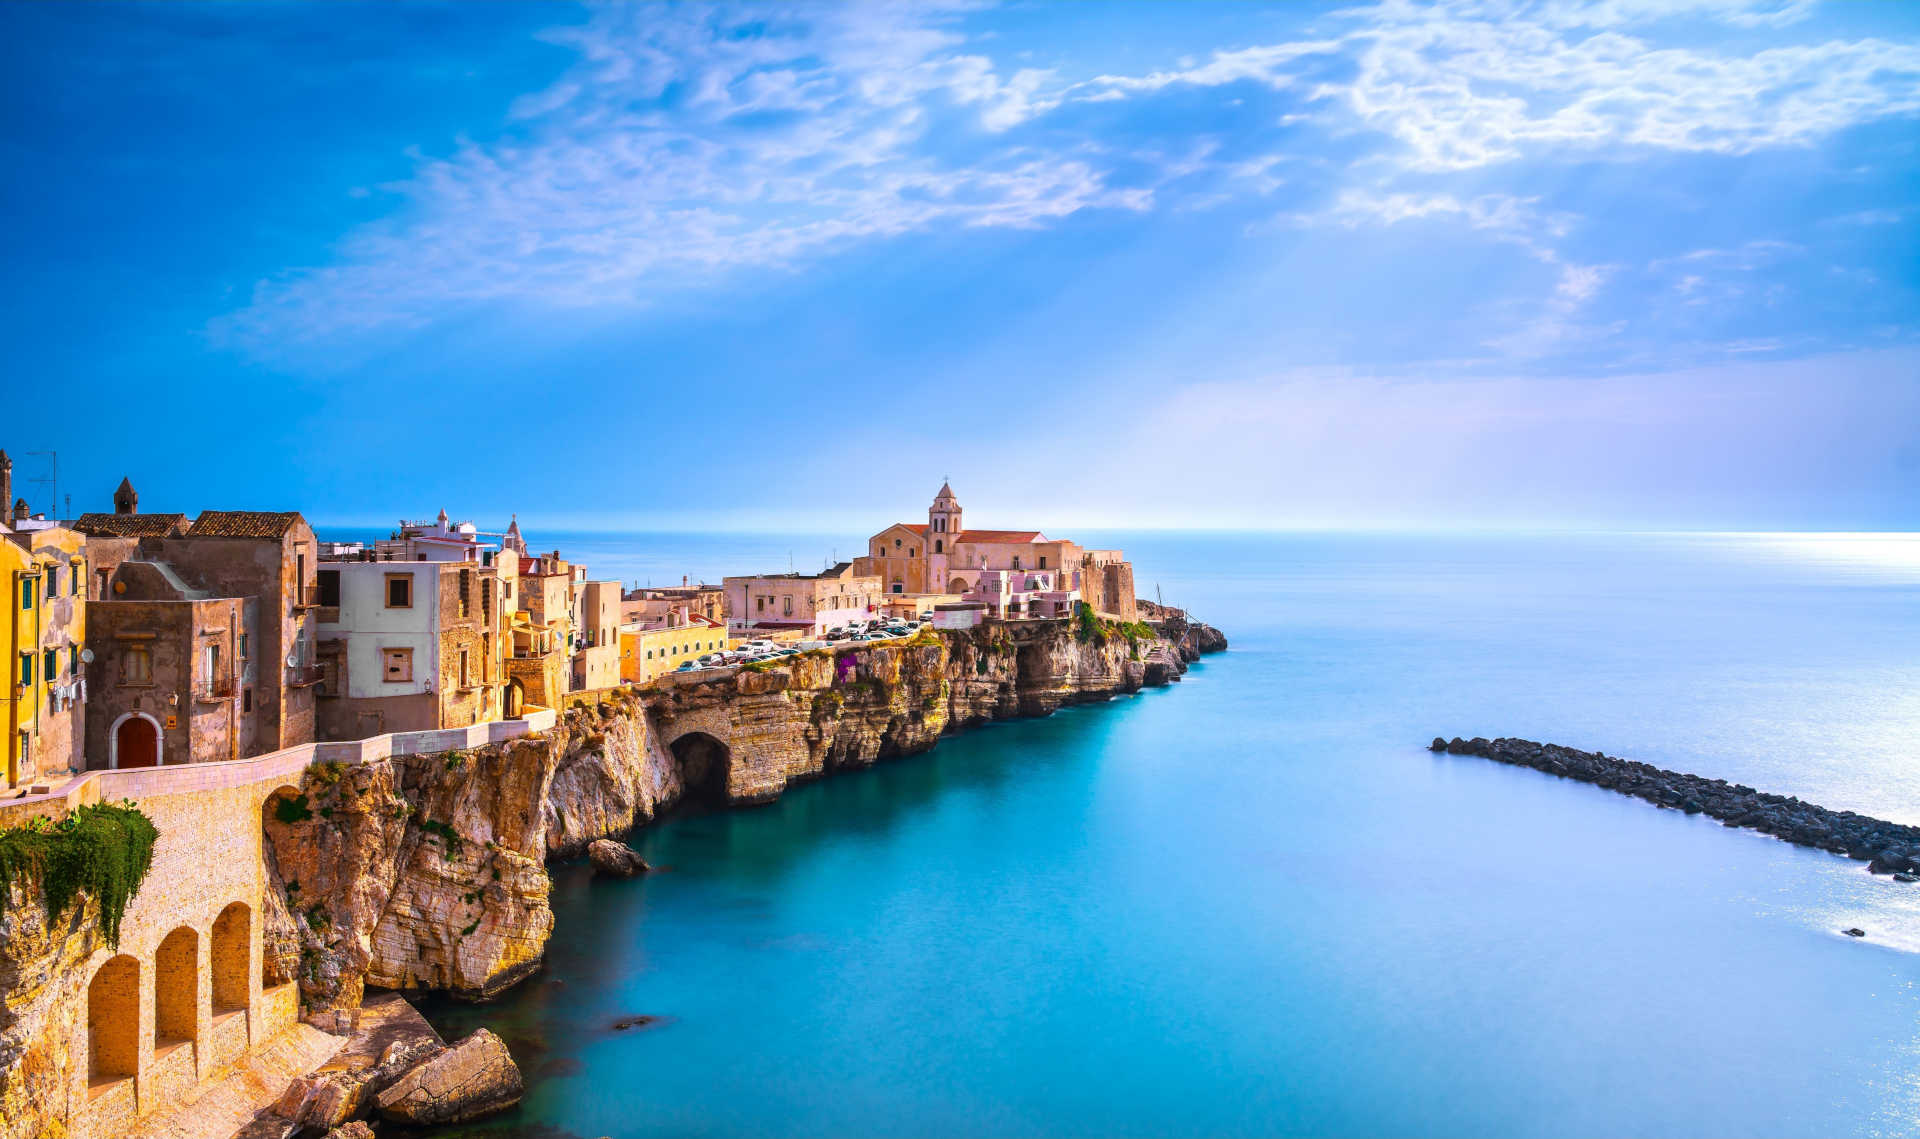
x=1438 y=744
x=615 y=859
x=627 y=1022
x=357 y=1129
x=1856 y=932
x=474 y=1078
x=1905 y=878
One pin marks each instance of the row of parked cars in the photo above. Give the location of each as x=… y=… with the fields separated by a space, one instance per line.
x=749 y=652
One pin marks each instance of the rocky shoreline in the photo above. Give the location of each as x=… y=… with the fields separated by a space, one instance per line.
x=1886 y=847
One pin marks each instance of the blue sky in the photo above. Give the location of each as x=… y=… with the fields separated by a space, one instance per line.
x=1482 y=263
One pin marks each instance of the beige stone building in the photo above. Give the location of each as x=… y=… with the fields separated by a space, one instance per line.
x=813 y=603
x=203 y=642
x=944 y=556
x=408 y=646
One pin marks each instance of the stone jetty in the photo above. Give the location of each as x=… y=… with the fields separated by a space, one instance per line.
x=1887 y=848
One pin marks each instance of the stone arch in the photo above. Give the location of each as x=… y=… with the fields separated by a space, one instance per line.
x=957 y=585
x=113 y=1020
x=176 y=988
x=516 y=700
x=705 y=764
x=232 y=958
x=132 y=739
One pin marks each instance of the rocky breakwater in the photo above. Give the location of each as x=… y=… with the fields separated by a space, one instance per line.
x=1887 y=848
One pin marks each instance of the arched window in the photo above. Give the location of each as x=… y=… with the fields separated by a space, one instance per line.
x=939 y=546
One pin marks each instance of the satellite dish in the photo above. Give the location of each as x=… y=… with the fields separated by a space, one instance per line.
x=293 y=660
x=86 y=656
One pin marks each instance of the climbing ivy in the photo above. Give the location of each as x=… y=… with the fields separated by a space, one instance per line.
x=104 y=849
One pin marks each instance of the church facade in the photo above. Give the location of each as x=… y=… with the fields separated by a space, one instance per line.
x=943 y=556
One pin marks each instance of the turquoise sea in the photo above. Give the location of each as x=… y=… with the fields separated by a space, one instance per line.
x=1253 y=904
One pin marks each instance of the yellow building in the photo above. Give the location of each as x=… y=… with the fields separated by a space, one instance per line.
x=43 y=624
x=648 y=651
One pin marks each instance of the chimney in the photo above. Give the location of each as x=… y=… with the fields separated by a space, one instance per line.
x=19 y=510
x=6 y=479
x=683 y=581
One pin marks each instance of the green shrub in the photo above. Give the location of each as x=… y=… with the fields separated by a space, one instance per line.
x=103 y=849
x=292 y=810
x=450 y=840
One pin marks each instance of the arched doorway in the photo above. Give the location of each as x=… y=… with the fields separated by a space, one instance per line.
x=232 y=958
x=516 y=700
x=957 y=585
x=704 y=764
x=176 y=990
x=113 y=1020
x=136 y=741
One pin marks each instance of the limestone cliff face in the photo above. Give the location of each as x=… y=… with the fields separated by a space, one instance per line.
x=426 y=872
x=45 y=994
x=414 y=872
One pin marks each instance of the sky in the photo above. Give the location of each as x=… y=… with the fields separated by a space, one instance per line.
x=1634 y=264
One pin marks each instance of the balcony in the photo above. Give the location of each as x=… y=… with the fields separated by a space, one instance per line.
x=217 y=689
x=305 y=675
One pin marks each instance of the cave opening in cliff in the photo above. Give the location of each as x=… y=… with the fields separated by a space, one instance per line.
x=704 y=763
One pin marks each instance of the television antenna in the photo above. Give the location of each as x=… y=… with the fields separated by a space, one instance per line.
x=51 y=482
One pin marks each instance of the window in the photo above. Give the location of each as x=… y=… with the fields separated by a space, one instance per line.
x=246 y=699
x=896 y=543
x=466 y=587
x=26 y=592
x=50 y=665
x=300 y=577
x=329 y=589
x=465 y=682
x=73 y=659
x=939 y=546
x=1016 y=561
x=73 y=584
x=397 y=665
x=486 y=601
x=211 y=656
x=759 y=604
x=53 y=582
x=244 y=658
x=1043 y=561
x=789 y=605
x=136 y=667
x=106 y=580
x=26 y=668
x=399 y=591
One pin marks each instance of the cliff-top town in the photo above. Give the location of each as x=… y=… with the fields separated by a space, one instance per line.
x=254 y=777
x=158 y=638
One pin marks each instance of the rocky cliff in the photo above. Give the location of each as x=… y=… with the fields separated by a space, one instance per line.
x=44 y=993
x=427 y=872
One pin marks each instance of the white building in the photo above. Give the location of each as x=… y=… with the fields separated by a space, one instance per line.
x=1009 y=594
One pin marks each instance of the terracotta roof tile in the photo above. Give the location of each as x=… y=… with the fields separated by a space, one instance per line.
x=130 y=525
x=999 y=536
x=243 y=523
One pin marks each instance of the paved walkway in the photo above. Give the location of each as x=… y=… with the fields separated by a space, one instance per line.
x=225 y=1105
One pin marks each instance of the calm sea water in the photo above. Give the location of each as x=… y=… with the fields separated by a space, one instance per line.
x=1253 y=904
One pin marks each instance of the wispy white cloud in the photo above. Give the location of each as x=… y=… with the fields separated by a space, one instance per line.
x=1470 y=83
x=687 y=142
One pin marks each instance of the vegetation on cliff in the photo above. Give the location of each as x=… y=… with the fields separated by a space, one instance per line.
x=104 y=850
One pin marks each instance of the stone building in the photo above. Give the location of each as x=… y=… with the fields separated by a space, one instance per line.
x=944 y=556
x=203 y=645
x=408 y=646
x=650 y=603
x=813 y=603
x=596 y=656
x=650 y=649
x=43 y=626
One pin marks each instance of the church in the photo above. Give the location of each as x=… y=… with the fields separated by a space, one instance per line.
x=944 y=556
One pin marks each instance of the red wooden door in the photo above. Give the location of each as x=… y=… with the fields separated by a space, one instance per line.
x=139 y=743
